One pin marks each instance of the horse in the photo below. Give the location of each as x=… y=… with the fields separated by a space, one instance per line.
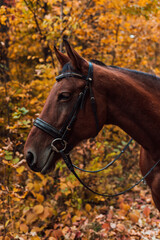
x=127 y=98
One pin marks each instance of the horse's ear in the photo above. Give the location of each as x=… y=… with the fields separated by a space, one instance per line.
x=76 y=60
x=62 y=58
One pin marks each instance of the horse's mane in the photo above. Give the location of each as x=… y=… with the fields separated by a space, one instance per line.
x=125 y=70
x=134 y=73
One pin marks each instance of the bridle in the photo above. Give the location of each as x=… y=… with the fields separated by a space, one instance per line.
x=60 y=142
x=61 y=136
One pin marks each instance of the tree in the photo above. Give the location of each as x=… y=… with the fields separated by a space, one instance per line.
x=123 y=33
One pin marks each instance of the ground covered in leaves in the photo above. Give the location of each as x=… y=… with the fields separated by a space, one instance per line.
x=66 y=211
x=133 y=216
x=57 y=207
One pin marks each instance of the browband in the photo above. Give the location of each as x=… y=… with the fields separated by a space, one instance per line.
x=89 y=77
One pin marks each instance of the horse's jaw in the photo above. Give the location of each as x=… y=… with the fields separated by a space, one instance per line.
x=49 y=164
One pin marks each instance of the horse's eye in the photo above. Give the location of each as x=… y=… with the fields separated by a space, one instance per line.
x=64 y=96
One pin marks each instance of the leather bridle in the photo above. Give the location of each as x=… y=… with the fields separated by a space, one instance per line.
x=60 y=142
x=61 y=136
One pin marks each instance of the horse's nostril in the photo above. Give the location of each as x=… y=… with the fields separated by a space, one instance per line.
x=30 y=159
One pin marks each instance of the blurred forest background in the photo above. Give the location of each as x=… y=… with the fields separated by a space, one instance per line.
x=124 y=33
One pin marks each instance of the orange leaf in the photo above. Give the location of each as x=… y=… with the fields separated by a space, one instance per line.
x=110 y=215
x=120 y=227
x=40 y=197
x=31 y=217
x=38 y=209
x=47 y=213
x=124 y=206
x=57 y=234
x=106 y=226
x=134 y=217
x=146 y=211
x=23 y=227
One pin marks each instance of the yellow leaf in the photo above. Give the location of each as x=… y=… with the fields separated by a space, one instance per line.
x=34 y=36
x=20 y=169
x=38 y=209
x=88 y=207
x=35 y=238
x=30 y=186
x=3 y=19
x=75 y=219
x=37 y=186
x=63 y=213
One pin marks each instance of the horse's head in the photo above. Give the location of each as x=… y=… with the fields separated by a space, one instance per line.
x=62 y=115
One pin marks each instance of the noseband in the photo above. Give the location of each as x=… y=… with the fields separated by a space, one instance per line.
x=60 y=142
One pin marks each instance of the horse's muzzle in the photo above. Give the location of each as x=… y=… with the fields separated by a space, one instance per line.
x=32 y=162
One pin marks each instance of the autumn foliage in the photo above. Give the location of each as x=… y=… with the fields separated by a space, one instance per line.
x=55 y=206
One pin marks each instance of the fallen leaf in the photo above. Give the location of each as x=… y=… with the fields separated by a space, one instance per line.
x=120 y=227
x=88 y=207
x=146 y=211
x=23 y=227
x=40 y=197
x=124 y=206
x=75 y=219
x=31 y=217
x=38 y=209
x=106 y=226
x=110 y=215
x=57 y=234
x=35 y=238
x=113 y=225
x=20 y=169
x=47 y=213
x=133 y=217
x=48 y=233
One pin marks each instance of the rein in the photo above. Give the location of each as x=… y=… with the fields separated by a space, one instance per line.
x=60 y=142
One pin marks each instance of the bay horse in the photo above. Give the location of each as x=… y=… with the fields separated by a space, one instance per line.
x=127 y=98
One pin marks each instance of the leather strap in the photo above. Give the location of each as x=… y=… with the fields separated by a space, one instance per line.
x=46 y=127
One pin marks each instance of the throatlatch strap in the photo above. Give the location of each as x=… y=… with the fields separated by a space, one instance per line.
x=94 y=107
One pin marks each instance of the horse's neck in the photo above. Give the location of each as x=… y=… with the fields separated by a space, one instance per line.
x=132 y=105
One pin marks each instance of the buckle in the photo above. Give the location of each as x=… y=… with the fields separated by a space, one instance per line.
x=58 y=145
